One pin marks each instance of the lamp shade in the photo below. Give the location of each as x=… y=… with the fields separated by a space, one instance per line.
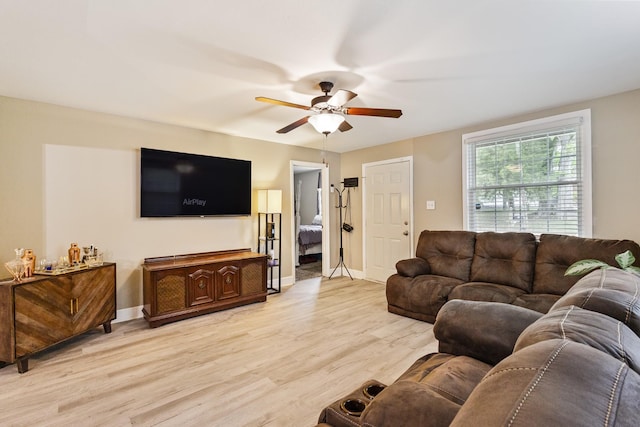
x=326 y=122
x=269 y=201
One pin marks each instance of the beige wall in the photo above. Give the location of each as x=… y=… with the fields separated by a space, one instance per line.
x=438 y=170
x=28 y=128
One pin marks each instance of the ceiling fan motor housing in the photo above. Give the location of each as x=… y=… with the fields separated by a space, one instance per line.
x=320 y=102
x=326 y=87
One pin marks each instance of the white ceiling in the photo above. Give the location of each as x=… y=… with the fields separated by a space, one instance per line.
x=201 y=63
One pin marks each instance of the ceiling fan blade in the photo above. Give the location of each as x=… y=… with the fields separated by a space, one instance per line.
x=379 y=112
x=293 y=125
x=341 y=97
x=344 y=126
x=283 y=103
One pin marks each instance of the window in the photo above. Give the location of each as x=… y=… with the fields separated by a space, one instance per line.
x=533 y=176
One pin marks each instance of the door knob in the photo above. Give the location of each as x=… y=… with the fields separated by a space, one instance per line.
x=406 y=233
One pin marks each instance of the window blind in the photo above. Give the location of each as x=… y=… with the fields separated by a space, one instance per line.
x=530 y=177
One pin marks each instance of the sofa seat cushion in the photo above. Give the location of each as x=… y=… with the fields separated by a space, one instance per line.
x=538 y=302
x=429 y=393
x=449 y=253
x=423 y=295
x=554 y=383
x=557 y=252
x=464 y=328
x=491 y=292
x=609 y=291
x=505 y=259
x=587 y=327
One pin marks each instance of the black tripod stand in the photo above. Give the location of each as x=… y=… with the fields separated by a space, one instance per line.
x=341 y=263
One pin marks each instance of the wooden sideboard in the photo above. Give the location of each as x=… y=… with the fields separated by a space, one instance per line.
x=41 y=311
x=182 y=286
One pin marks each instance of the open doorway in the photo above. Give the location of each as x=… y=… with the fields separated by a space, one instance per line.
x=309 y=186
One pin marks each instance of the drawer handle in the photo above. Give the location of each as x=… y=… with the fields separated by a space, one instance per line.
x=201 y=285
x=73 y=306
x=228 y=280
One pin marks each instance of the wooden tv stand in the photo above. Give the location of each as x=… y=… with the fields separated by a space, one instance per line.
x=182 y=286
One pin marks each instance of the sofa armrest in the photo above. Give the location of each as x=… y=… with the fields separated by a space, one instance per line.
x=413 y=267
x=486 y=331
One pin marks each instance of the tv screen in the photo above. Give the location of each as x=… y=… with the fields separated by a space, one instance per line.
x=181 y=184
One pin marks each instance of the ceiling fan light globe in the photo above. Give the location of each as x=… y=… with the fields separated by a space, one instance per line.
x=326 y=123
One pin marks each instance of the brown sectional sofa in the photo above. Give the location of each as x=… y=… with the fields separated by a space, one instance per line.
x=512 y=268
x=501 y=365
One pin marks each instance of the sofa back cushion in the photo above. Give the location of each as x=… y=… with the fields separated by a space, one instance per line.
x=449 y=253
x=557 y=252
x=609 y=291
x=505 y=259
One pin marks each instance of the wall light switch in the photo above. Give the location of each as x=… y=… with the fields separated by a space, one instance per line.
x=431 y=204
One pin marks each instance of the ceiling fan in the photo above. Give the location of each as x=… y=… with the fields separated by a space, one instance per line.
x=330 y=110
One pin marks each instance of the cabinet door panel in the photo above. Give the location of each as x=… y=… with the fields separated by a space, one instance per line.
x=43 y=314
x=171 y=294
x=227 y=282
x=93 y=294
x=200 y=287
x=253 y=277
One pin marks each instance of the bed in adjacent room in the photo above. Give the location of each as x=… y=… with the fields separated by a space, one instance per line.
x=310 y=237
x=308 y=217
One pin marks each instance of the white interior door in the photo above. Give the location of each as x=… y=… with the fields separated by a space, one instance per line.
x=388 y=216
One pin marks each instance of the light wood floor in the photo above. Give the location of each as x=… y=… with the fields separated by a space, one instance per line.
x=268 y=364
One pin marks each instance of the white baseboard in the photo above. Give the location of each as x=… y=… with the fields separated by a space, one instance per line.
x=356 y=274
x=130 y=313
x=286 y=281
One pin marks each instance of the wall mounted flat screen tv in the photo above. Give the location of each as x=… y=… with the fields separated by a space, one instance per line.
x=181 y=184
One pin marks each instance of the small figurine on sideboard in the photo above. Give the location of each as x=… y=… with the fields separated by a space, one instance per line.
x=74 y=254
x=29 y=259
